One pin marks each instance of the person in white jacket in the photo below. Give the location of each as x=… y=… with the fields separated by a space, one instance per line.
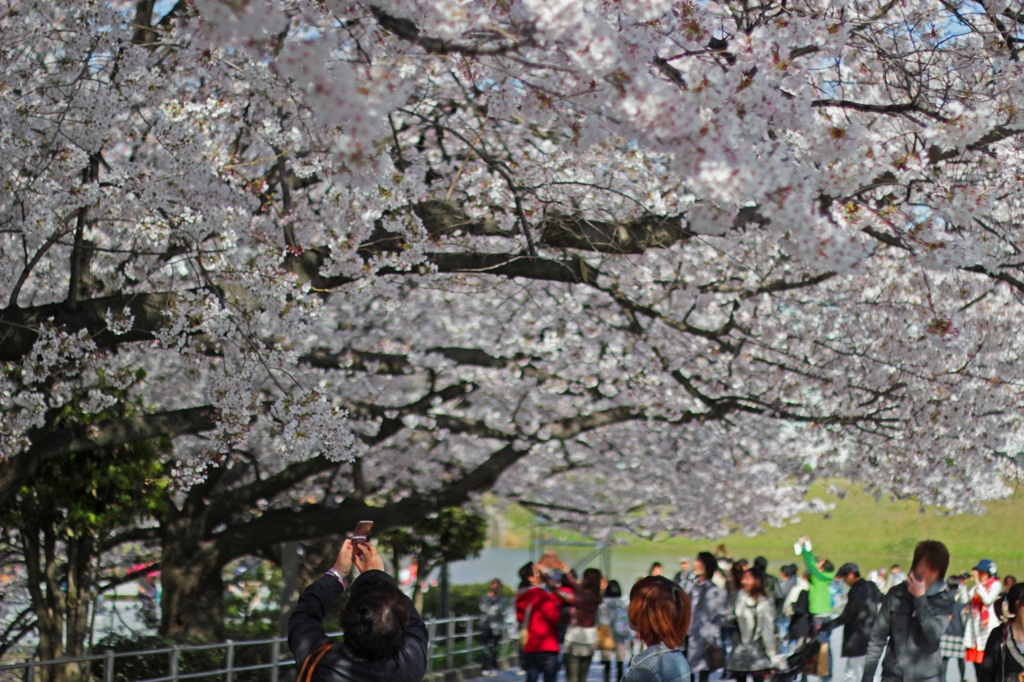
x=982 y=618
x=752 y=655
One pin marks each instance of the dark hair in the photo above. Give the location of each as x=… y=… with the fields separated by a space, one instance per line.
x=659 y=611
x=525 y=573
x=758 y=575
x=1015 y=598
x=789 y=570
x=613 y=589
x=935 y=553
x=710 y=563
x=375 y=619
x=827 y=566
x=736 y=576
x=761 y=562
x=656 y=564
x=592 y=581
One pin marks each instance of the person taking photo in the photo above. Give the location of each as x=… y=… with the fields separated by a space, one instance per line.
x=385 y=637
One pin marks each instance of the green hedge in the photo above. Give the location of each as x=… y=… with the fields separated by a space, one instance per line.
x=146 y=666
x=463 y=600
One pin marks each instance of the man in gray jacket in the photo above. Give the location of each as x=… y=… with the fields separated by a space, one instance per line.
x=708 y=612
x=913 y=617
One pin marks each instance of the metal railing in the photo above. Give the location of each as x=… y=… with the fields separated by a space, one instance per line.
x=453 y=643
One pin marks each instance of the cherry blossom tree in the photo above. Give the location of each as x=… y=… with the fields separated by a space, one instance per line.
x=643 y=264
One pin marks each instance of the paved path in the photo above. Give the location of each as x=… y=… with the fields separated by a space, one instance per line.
x=596 y=674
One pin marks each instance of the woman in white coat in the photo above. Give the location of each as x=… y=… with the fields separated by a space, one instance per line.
x=755 y=625
x=982 y=618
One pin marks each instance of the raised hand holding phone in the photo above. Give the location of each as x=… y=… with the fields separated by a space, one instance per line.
x=915 y=585
x=343 y=564
x=369 y=559
x=361 y=535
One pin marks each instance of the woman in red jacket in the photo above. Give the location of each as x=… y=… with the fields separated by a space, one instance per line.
x=538 y=608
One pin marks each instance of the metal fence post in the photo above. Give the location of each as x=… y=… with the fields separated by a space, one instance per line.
x=231 y=661
x=431 y=643
x=275 y=651
x=108 y=666
x=174 y=663
x=469 y=641
x=449 y=645
x=30 y=670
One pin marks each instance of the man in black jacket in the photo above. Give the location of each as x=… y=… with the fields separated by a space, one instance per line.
x=911 y=620
x=385 y=638
x=857 y=619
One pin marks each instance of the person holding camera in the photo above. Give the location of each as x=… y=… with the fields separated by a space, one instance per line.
x=820 y=574
x=982 y=617
x=538 y=610
x=385 y=637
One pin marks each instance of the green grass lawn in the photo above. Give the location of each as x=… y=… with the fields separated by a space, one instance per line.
x=873 y=534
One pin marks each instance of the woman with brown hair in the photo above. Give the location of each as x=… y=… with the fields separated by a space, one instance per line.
x=755 y=630
x=733 y=589
x=659 y=613
x=581 y=636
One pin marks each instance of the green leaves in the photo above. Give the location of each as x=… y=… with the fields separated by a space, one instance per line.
x=452 y=534
x=92 y=493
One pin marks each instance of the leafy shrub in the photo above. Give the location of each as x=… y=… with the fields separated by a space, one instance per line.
x=463 y=600
x=148 y=666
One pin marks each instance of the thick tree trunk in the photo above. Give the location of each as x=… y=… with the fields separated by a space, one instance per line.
x=193 y=557
x=192 y=604
x=60 y=603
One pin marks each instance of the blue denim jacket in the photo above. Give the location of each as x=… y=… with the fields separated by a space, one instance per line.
x=658 y=664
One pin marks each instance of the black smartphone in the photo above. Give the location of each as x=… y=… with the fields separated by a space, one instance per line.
x=360 y=536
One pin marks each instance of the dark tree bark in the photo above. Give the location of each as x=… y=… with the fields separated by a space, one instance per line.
x=192 y=604
x=62 y=588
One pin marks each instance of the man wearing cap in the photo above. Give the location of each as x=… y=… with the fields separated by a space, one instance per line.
x=857 y=619
x=982 y=618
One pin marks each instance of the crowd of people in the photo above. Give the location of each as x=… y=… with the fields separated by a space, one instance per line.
x=750 y=623
x=715 y=614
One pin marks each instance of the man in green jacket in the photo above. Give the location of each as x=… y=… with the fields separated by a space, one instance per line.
x=821 y=572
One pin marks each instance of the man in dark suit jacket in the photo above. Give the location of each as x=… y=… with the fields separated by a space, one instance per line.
x=857 y=619
x=385 y=638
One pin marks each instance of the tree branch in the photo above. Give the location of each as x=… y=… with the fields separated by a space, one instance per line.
x=407 y=30
x=19 y=326
x=319 y=520
x=53 y=444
